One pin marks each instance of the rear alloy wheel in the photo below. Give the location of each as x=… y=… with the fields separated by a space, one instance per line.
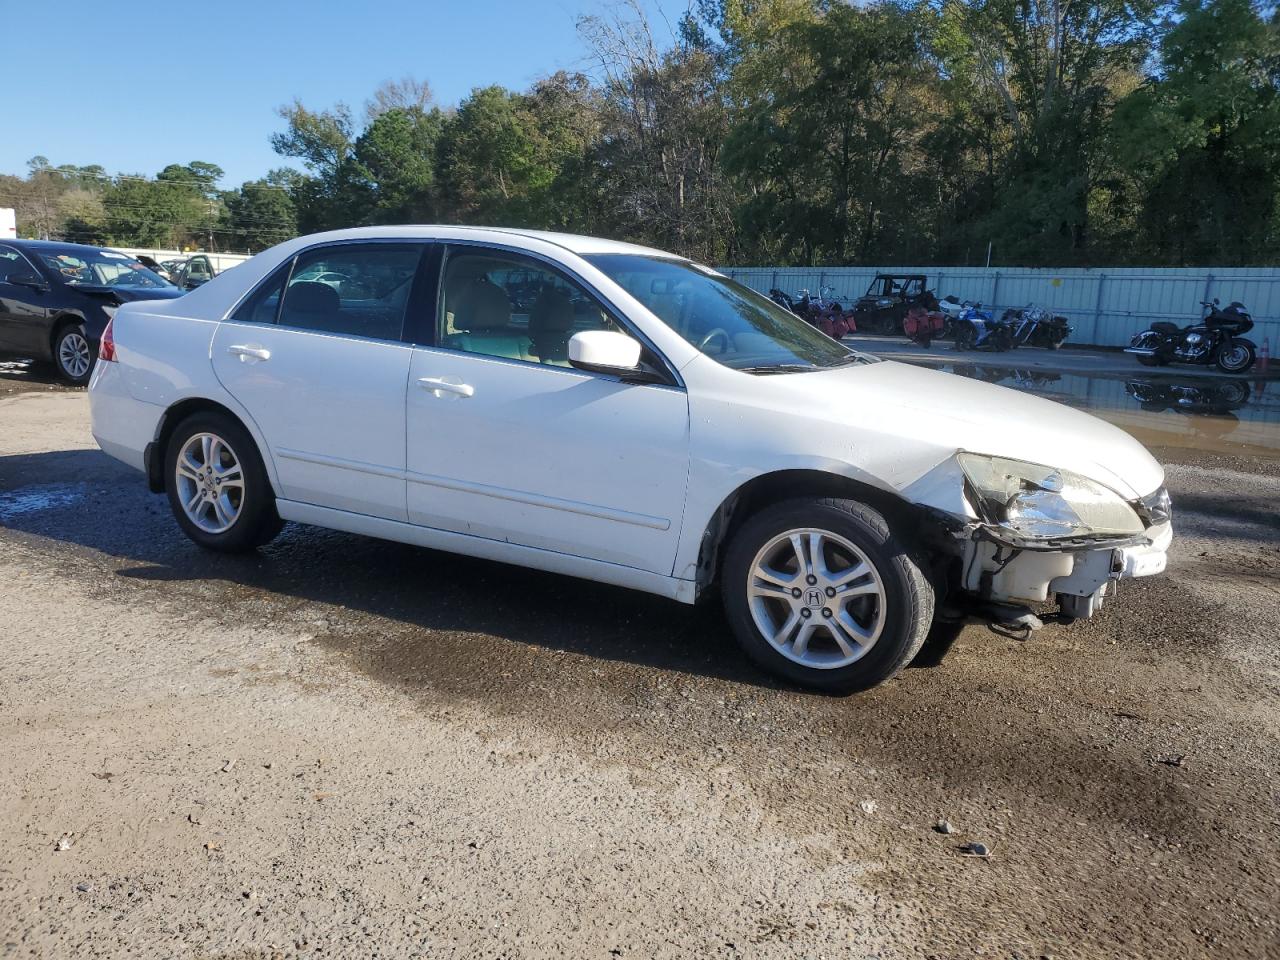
x=72 y=354
x=821 y=593
x=217 y=486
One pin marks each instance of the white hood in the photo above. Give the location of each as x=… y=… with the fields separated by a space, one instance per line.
x=943 y=410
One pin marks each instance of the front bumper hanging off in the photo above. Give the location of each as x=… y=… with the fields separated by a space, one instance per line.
x=1077 y=576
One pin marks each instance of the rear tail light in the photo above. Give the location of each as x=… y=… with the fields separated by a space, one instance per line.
x=107 y=345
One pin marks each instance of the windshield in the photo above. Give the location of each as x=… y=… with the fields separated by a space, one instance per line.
x=102 y=268
x=725 y=320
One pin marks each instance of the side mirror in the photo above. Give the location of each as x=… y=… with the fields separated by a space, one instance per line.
x=603 y=351
x=27 y=280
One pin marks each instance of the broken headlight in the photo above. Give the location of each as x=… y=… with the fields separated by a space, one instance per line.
x=1045 y=503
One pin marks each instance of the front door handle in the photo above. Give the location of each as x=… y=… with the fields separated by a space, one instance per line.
x=247 y=353
x=440 y=387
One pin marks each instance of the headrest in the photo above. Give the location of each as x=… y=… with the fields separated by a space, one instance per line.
x=552 y=312
x=311 y=296
x=478 y=305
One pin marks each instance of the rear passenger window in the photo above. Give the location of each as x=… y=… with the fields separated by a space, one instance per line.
x=504 y=305
x=359 y=290
x=264 y=303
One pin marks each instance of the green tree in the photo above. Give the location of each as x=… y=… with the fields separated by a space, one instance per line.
x=1202 y=138
x=664 y=117
x=393 y=166
x=156 y=213
x=1041 y=78
x=827 y=150
x=83 y=216
x=258 y=215
x=488 y=159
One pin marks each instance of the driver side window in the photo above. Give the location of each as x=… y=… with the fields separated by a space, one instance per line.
x=503 y=305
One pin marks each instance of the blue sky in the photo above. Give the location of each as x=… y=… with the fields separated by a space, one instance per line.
x=137 y=86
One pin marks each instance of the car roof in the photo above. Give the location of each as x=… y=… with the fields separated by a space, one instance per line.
x=574 y=243
x=56 y=245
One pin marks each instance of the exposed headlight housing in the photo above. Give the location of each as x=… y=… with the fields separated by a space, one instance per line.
x=1037 y=502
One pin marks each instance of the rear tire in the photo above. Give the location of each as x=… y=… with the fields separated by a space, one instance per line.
x=965 y=337
x=844 y=603
x=217 y=485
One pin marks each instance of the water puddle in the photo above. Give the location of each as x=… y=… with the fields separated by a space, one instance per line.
x=1232 y=415
x=16 y=503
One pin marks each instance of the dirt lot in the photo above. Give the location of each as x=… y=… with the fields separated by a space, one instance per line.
x=341 y=747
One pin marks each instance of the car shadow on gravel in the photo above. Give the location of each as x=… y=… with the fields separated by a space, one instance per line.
x=86 y=499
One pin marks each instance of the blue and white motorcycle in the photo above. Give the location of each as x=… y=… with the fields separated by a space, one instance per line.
x=974 y=328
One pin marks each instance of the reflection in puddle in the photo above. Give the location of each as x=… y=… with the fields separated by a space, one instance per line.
x=1215 y=414
x=32 y=499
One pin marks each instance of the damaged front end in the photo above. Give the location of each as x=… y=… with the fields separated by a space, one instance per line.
x=1029 y=534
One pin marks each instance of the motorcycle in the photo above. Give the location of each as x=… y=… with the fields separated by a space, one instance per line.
x=1218 y=399
x=1214 y=340
x=976 y=330
x=1036 y=327
x=782 y=299
x=822 y=311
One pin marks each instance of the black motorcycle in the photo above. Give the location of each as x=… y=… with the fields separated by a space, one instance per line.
x=785 y=301
x=1218 y=398
x=1214 y=340
x=1034 y=326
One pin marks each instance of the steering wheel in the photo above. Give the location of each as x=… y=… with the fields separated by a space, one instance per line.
x=717 y=332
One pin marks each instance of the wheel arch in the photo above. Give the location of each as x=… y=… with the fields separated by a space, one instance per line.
x=174 y=415
x=776 y=486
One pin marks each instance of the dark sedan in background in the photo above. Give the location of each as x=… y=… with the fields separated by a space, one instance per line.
x=56 y=299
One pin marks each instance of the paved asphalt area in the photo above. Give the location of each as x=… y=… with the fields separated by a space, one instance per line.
x=342 y=747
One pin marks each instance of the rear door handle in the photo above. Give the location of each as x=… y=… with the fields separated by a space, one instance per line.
x=246 y=353
x=439 y=387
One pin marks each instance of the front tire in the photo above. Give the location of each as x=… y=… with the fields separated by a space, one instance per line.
x=1236 y=356
x=217 y=485
x=821 y=593
x=72 y=354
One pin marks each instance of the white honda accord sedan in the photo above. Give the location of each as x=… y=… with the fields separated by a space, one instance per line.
x=623 y=415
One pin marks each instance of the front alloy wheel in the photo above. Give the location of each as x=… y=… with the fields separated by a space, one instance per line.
x=73 y=355
x=824 y=594
x=1236 y=356
x=816 y=598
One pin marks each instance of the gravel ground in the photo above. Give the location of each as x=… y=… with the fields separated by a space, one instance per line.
x=341 y=747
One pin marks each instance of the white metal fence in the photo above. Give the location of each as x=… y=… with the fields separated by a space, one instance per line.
x=1106 y=306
